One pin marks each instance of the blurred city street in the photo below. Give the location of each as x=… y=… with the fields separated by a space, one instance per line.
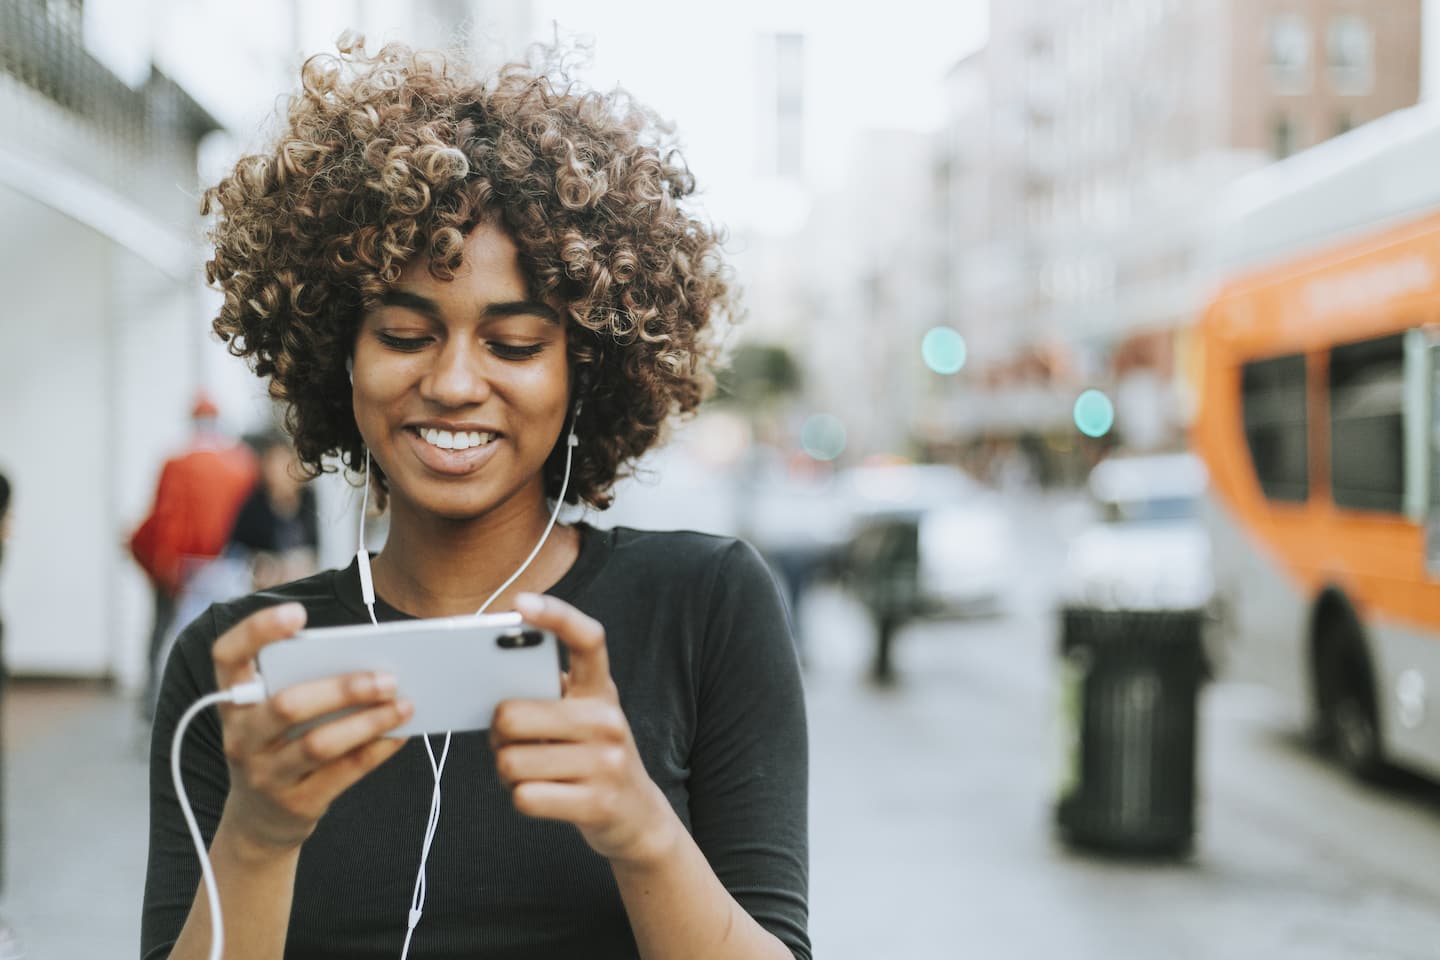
x=930 y=814
x=1112 y=313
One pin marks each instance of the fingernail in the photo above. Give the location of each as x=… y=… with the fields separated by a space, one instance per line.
x=529 y=604
x=384 y=684
x=405 y=707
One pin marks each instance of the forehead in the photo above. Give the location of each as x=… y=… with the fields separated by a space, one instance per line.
x=490 y=266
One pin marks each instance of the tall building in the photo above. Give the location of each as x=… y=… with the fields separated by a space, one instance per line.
x=1135 y=117
x=1000 y=162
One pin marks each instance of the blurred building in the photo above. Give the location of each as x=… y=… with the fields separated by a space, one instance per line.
x=1102 y=141
x=107 y=114
x=98 y=190
x=851 y=292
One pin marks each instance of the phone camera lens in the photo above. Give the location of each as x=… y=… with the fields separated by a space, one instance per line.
x=519 y=639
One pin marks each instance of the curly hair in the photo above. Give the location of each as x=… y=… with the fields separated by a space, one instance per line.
x=386 y=157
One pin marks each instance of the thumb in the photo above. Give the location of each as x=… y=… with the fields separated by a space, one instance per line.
x=584 y=640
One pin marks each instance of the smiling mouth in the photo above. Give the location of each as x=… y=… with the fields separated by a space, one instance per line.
x=454 y=440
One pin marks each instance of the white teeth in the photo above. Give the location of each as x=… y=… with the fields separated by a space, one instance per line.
x=462 y=440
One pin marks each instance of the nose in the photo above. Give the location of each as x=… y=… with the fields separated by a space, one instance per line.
x=457 y=378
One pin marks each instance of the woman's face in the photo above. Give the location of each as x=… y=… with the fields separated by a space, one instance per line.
x=461 y=387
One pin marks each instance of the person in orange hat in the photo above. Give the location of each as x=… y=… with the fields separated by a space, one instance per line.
x=196 y=500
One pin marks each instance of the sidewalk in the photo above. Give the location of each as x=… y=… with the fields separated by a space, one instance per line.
x=76 y=809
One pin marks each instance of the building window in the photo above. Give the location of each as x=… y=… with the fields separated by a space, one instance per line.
x=1284 y=137
x=1350 y=52
x=1367 y=432
x=1289 y=53
x=1273 y=397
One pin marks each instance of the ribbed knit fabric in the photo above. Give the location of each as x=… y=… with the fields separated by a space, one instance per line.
x=708 y=679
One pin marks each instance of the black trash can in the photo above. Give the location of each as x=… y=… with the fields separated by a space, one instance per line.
x=1130 y=691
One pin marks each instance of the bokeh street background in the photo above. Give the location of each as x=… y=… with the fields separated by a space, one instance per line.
x=978 y=242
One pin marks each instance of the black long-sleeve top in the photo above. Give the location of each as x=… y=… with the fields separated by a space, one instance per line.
x=708 y=679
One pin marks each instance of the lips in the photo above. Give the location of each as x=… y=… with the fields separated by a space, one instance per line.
x=451 y=463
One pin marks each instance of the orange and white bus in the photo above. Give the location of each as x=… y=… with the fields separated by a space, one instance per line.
x=1318 y=418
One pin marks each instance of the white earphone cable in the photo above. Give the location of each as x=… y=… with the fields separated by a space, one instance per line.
x=252 y=692
x=437 y=767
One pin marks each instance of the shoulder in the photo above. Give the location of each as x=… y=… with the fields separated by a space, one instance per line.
x=702 y=568
x=682 y=553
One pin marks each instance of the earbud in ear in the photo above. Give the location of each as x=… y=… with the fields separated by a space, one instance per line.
x=350 y=369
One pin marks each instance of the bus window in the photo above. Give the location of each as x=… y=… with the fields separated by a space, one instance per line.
x=1367 y=424
x=1273 y=393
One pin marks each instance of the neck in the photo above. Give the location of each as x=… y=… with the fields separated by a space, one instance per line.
x=434 y=567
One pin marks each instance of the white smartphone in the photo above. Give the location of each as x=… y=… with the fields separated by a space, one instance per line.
x=455 y=670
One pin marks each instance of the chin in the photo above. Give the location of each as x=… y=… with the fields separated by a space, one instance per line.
x=460 y=502
x=457 y=508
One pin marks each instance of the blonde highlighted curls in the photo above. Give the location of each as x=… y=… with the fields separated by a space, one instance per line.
x=383 y=158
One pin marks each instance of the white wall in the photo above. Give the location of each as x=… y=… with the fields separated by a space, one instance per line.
x=100 y=355
x=56 y=443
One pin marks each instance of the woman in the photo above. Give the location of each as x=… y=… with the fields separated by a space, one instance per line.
x=277 y=528
x=441 y=278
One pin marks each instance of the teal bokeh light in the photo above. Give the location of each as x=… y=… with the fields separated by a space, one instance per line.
x=1094 y=413
x=943 y=350
x=823 y=436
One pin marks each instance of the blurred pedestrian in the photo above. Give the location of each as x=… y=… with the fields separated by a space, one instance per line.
x=277 y=528
x=196 y=500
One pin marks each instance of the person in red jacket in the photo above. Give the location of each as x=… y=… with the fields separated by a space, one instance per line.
x=196 y=501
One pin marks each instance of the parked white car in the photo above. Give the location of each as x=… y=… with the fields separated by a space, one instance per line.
x=1148 y=549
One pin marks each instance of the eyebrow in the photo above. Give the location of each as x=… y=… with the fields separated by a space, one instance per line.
x=494 y=311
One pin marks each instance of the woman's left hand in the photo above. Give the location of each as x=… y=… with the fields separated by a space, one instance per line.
x=574 y=759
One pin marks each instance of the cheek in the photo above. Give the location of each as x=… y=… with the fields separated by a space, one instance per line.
x=542 y=391
x=372 y=393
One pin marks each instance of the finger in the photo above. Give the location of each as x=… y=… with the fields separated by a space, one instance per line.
x=571 y=721
x=304 y=702
x=234 y=653
x=328 y=742
x=342 y=773
x=583 y=637
x=519 y=763
x=548 y=800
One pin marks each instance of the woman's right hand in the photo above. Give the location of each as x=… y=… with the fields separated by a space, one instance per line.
x=280 y=784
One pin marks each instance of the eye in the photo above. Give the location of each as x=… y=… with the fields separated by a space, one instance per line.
x=510 y=351
x=407 y=344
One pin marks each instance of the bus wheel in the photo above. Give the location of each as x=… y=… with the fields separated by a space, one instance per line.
x=1347 y=702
